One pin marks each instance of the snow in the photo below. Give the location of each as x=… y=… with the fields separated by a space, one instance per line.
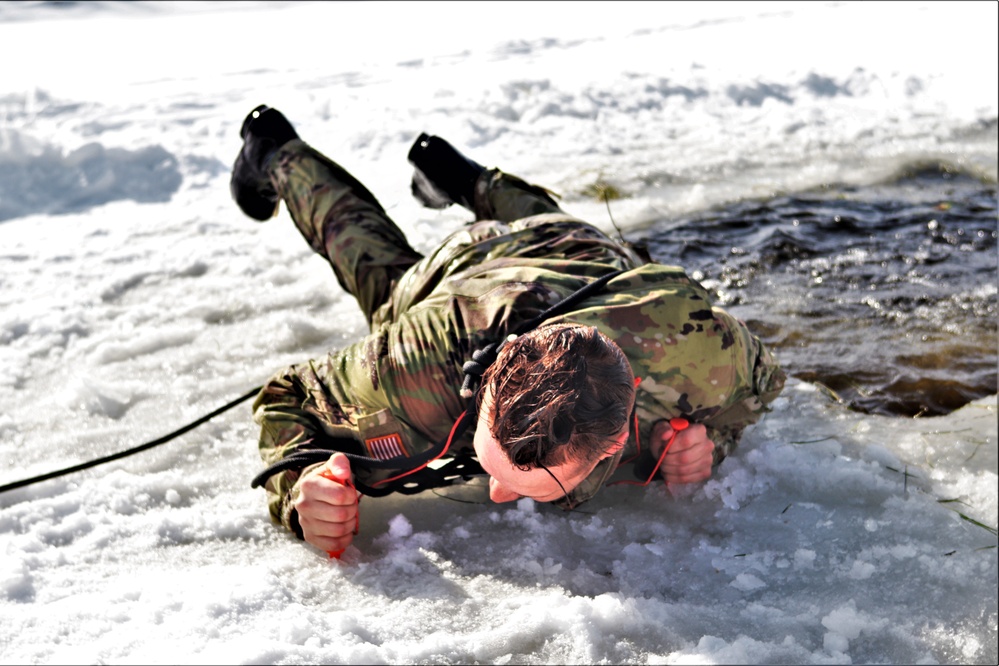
x=134 y=297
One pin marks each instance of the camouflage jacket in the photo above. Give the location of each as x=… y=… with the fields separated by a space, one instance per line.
x=399 y=386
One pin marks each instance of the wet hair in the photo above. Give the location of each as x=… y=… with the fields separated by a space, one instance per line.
x=558 y=394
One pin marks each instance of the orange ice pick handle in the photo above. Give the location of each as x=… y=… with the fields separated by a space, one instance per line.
x=335 y=554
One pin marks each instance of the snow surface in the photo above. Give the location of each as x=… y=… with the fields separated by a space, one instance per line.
x=135 y=297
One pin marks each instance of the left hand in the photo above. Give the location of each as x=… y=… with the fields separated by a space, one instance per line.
x=690 y=457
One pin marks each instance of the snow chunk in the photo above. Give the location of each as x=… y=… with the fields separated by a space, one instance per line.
x=849 y=622
x=17 y=583
x=747 y=582
x=400 y=527
x=861 y=570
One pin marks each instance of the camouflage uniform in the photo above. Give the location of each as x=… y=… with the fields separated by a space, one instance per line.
x=398 y=388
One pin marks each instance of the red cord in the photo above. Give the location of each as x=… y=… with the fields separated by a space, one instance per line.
x=443 y=451
x=678 y=425
x=634 y=423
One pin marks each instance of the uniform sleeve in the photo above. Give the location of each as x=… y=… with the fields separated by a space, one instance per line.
x=294 y=409
x=726 y=380
x=394 y=393
x=758 y=382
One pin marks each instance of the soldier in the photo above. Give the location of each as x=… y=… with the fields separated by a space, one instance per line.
x=589 y=354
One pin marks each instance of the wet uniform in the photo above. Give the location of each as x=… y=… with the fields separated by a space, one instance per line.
x=396 y=391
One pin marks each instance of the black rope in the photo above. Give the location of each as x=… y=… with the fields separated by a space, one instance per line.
x=569 y=301
x=142 y=447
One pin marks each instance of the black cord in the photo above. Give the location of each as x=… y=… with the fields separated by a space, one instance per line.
x=137 y=449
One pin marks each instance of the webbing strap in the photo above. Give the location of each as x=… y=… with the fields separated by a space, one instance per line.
x=327 y=446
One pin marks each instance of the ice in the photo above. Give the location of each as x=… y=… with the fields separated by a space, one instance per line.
x=134 y=297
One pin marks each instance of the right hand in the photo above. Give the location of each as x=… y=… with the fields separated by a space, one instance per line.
x=691 y=456
x=327 y=506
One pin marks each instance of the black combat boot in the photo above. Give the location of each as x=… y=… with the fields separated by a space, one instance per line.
x=263 y=132
x=442 y=176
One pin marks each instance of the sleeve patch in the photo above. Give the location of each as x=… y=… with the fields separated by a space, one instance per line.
x=386 y=447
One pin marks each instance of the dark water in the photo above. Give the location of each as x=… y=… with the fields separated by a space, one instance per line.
x=885 y=295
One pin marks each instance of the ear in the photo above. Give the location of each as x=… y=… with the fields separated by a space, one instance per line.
x=617 y=446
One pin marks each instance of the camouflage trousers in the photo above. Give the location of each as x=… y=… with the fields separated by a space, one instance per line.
x=343 y=222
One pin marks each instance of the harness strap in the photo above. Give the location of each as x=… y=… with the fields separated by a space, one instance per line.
x=462 y=466
x=326 y=446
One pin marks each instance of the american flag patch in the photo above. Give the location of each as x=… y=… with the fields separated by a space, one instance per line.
x=385 y=446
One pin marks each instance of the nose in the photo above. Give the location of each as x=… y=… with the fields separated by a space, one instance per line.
x=499 y=494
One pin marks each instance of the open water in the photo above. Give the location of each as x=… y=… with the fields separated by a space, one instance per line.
x=885 y=295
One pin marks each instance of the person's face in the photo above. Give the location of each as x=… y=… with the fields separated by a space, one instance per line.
x=507 y=482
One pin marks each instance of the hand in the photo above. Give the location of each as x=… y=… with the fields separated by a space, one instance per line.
x=327 y=506
x=690 y=457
